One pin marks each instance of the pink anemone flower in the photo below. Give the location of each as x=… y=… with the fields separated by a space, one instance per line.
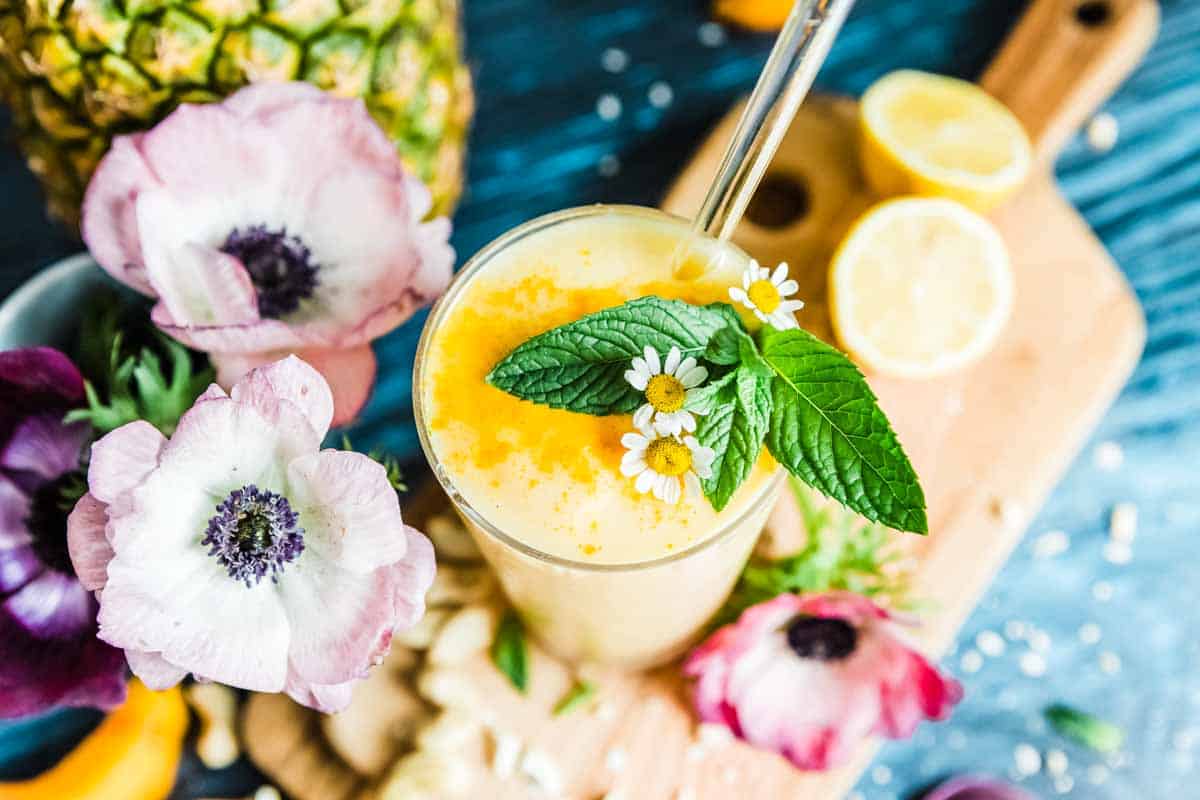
x=278 y=221
x=809 y=676
x=239 y=551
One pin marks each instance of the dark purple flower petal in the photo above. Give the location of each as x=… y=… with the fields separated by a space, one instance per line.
x=14 y=510
x=39 y=673
x=36 y=380
x=977 y=787
x=43 y=446
x=52 y=606
x=18 y=566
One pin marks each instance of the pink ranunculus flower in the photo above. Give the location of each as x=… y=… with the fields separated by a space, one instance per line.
x=810 y=676
x=239 y=551
x=278 y=221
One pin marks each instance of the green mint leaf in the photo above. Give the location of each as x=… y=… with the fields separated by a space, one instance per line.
x=509 y=653
x=1085 y=729
x=703 y=399
x=576 y=697
x=828 y=430
x=581 y=366
x=734 y=428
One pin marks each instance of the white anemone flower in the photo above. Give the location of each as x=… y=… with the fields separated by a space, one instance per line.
x=665 y=465
x=665 y=385
x=766 y=294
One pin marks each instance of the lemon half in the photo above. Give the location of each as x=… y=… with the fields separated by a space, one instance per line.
x=920 y=287
x=933 y=135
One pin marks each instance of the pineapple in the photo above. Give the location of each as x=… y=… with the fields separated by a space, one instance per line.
x=76 y=72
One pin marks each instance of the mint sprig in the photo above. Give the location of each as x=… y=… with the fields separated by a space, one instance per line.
x=734 y=428
x=581 y=366
x=804 y=399
x=827 y=429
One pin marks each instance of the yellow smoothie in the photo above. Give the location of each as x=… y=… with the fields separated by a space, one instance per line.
x=601 y=571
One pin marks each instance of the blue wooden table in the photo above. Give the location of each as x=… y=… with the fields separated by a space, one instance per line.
x=596 y=100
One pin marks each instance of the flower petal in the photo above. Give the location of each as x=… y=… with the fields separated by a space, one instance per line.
x=123 y=458
x=197 y=617
x=87 y=543
x=671 y=491
x=740 y=296
x=351 y=375
x=633 y=464
x=37 y=674
x=635 y=441
x=341 y=621
x=109 y=223
x=672 y=362
x=42 y=445
x=653 y=364
x=637 y=379
x=52 y=606
x=411 y=578
x=787 y=288
x=643 y=415
x=692 y=484
x=349 y=510
x=262 y=99
x=328 y=699
x=791 y=306
x=646 y=481
x=290 y=380
x=780 y=274
x=197 y=284
x=154 y=670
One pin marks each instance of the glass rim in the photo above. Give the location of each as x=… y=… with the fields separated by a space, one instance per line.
x=432 y=322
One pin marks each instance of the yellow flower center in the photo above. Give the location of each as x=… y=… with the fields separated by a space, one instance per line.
x=665 y=393
x=668 y=456
x=765 y=296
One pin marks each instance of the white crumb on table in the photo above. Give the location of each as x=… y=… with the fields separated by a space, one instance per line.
x=971 y=661
x=1108 y=456
x=1032 y=664
x=990 y=643
x=1122 y=525
x=614 y=60
x=1051 y=544
x=1056 y=762
x=1027 y=760
x=1102 y=132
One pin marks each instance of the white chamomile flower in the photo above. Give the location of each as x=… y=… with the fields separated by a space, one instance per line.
x=665 y=385
x=665 y=465
x=766 y=294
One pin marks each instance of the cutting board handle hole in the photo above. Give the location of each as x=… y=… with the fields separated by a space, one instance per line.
x=781 y=201
x=1093 y=13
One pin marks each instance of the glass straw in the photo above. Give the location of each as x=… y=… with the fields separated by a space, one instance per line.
x=785 y=80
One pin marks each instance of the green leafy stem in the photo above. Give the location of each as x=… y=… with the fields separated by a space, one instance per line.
x=801 y=398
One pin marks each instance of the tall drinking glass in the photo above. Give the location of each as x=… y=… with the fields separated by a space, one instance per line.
x=598 y=571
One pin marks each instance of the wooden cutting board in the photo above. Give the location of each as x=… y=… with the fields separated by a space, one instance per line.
x=989 y=442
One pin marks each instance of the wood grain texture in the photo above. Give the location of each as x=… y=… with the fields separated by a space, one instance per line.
x=989 y=442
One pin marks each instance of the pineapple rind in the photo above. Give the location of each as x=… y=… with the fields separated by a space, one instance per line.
x=77 y=72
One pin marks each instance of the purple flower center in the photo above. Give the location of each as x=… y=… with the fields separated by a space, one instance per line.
x=49 y=506
x=254 y=533
x=280 y=266
x=822 y=638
